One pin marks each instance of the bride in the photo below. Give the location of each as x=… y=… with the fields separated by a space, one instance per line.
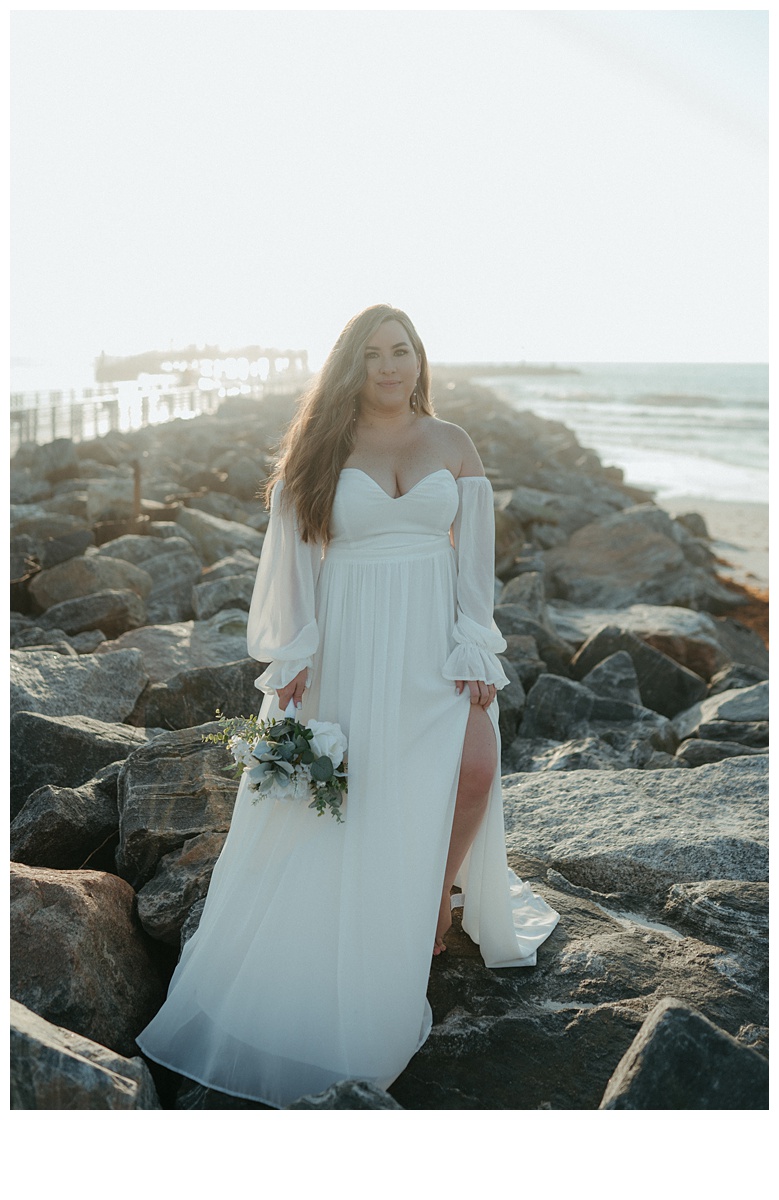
x=373 y=605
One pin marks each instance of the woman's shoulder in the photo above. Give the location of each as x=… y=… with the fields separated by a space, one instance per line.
x=457 y=446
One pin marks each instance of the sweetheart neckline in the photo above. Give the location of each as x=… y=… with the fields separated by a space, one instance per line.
x=403 y=495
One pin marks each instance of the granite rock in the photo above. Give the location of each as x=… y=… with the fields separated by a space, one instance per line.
x=665 y=686
x=230 y=591
x=634 y=556
x=64 y=828
x=181 y=880
x=216 y=538
x=639 y=832
x=193 y=697
x=696 y=751
x=78 y=955
x=739 y=705
x=680 y=1060
x=54 y=1068
x=85 y=575
x=169 y=791
x=63 y=751
x=112 y=612
x=170 y=649
x=614 y=677
x=48 y=683
x=559 y=709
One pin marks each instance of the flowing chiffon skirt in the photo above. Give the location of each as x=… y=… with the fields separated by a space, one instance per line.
x=311 y=960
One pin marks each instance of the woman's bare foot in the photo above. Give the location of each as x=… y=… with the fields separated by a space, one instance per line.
x=444 y=923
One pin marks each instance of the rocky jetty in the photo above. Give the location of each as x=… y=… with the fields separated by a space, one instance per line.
x=634 y=730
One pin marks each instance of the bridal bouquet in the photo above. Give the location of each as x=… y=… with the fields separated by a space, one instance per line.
x=286 y=760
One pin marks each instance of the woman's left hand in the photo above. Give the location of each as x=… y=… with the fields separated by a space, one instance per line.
x=482 y=693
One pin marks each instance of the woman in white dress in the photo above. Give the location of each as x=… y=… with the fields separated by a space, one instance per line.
x=373 y=606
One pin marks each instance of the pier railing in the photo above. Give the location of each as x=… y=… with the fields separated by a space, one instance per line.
x=87 y=413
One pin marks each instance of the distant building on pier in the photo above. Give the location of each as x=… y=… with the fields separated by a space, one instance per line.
x=193 y=366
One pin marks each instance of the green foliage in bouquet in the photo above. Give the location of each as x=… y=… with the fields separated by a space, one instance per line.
x=285 y=760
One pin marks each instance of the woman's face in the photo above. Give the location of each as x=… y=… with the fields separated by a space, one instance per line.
x=392 y=367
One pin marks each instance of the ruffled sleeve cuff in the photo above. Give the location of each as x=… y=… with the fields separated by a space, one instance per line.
x=279 y=674
x=475 y=653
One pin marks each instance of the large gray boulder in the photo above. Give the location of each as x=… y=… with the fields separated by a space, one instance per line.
x=173 y=576
x=737 y=675
x=170 y=649
x=697 y=751
x=680 y=1060
x=51 y=550
x=63 y=751
x=24 y=488
x=54 y=1068
x=173 y=567
x=169 y=791
x=614 y=750
x=216 y=538
x=230 y=591
x=665 y=685
x=559 y=709
x=112 y=612
x=240 y=563
x=112 y=498
x=193 y=697
x=731 y=911
x=526 y=591
x=688 y=637
x=615 y=678
x=78 y=955
x=38 y=526
x=523 y=654
x=53 y=460
x=64 y=827
x=639 y=832
x=87 y=574
x=511 y=702
x=180 y=881
x=639 y=555
x=739 y=705
x=54 y=685
x=514 y=620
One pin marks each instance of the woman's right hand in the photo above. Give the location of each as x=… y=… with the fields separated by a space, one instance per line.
x=293 y=690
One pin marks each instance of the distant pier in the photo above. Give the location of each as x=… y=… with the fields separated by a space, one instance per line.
x=151 y=388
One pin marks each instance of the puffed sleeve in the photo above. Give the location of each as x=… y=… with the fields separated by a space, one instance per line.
x=282 y=628
x=477 y=637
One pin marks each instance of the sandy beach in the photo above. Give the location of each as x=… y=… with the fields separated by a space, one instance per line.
x=739 y=532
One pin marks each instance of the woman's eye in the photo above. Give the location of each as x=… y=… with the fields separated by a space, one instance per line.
x=397 y=352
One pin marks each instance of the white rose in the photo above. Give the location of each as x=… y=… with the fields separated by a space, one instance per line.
x=241 y=751
x=328 y=740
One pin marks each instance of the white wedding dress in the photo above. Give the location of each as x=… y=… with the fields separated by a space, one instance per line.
x=311 y=960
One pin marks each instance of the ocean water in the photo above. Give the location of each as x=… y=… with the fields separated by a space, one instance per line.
x=693 y=429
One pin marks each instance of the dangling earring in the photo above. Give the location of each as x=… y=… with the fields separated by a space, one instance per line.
x=354 y=414
x=414 y=404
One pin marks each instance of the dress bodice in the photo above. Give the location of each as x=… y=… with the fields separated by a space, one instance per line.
x=366 y=520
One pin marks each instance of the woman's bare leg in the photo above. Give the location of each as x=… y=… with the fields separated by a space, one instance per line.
x=477 y=771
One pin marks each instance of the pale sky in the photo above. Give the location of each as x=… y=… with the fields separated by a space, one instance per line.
x=549 y=186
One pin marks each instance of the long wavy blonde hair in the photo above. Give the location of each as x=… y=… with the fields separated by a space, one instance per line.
x=321 y=435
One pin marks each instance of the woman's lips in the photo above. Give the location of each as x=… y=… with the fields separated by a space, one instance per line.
x=394 y=383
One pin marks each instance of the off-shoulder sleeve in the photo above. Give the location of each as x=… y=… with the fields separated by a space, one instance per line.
x=282 y=628
x=477 y=637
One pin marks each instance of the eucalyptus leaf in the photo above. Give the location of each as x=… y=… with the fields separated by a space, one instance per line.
x=322 y=769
